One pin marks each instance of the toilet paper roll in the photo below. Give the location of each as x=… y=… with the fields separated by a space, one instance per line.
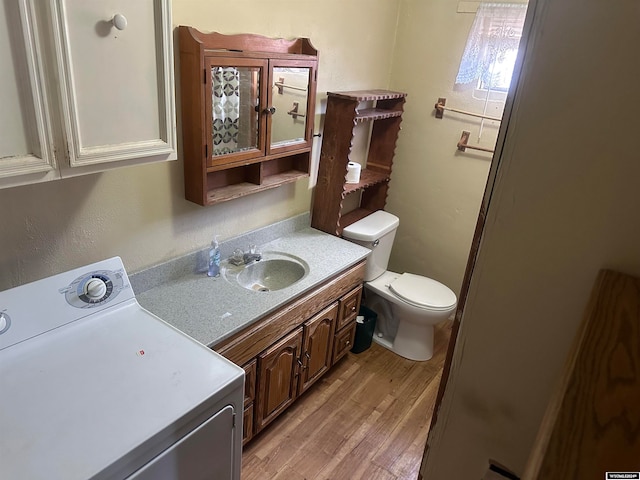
x=353 y=172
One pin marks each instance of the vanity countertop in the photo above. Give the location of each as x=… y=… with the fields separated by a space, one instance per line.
x=212 y=309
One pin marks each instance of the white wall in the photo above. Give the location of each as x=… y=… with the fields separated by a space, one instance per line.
x=435 y=190
x=140 y=213
x=565 y=205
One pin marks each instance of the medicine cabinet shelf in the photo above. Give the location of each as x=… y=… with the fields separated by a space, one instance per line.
x=383 y=110
x=235 y=182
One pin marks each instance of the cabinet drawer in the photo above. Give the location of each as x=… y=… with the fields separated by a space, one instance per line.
x=343 y=342
x=349 y=306
x=247 y=424
x=249 y=382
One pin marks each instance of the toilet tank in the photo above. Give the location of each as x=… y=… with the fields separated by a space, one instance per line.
x=376 y=232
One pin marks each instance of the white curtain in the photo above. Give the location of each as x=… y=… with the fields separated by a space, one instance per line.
x=492 y=45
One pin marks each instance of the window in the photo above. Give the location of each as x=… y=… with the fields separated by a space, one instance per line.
x=492 y=47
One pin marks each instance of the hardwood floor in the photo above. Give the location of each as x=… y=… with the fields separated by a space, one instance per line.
x=368 y=418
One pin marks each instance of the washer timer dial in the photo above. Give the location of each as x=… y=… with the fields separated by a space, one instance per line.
x=93 y=289
x=5 y=322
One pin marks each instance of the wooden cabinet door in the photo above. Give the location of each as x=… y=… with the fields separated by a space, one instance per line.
x=278 y=371
x=249 y=382
x=250 y=373
x=235 y=107
x=292 y=103
x=247 y=424
x=317 y=346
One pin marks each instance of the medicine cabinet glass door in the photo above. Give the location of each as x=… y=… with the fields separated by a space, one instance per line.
x=287 y=125
x=257 y=107
x=237 y=124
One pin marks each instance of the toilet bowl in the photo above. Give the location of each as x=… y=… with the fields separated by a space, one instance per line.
x=405 y=324
x=408 y=305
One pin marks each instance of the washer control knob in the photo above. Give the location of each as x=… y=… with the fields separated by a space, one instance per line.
x=95 y=289
x=5 y=322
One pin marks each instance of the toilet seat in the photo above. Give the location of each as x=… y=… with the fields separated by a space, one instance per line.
x=423 y=292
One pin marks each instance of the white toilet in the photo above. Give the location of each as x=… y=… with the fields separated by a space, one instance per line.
x=408 y=305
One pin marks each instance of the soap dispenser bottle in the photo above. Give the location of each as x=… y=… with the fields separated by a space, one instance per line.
x=214 y=259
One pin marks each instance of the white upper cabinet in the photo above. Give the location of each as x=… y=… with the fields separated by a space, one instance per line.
x=26 y=148
x=115 y=64
x=92 y=87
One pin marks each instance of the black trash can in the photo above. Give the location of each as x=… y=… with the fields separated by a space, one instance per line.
x=364 y=330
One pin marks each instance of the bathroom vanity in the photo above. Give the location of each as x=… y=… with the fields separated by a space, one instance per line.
x=285 y=352
x=285 y=339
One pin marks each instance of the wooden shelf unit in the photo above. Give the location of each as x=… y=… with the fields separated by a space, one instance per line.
x=344 y=111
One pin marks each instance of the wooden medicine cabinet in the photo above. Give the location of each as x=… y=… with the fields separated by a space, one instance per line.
x=248 y=105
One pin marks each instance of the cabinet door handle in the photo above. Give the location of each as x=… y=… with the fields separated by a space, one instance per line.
x=119 y=21
x=347 y=343
x=301 y=364
x=270 y=110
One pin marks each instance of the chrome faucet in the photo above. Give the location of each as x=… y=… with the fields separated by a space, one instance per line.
x=253 y=255
x=239 y=257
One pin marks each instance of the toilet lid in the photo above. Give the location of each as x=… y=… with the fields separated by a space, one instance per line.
x=423 y=292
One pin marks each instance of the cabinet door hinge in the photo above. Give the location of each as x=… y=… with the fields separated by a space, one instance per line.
x=204 y=76
x=206 y=151
x=234 y=420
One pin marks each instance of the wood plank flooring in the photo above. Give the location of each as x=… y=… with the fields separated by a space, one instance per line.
x=368 y=418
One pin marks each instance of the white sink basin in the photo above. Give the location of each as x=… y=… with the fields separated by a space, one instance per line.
x=275 y=271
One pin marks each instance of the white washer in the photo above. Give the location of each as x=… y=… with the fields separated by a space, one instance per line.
x=93 y=386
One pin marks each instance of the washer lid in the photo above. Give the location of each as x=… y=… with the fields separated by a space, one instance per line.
x=97 y=397
x=371 y=227
x=423 y=292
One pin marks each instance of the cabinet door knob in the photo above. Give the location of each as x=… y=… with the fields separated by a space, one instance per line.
x=347 y=343
x=119 y=21
x=270 y=110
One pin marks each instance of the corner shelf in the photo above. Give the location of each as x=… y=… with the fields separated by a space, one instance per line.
x=344 y=111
